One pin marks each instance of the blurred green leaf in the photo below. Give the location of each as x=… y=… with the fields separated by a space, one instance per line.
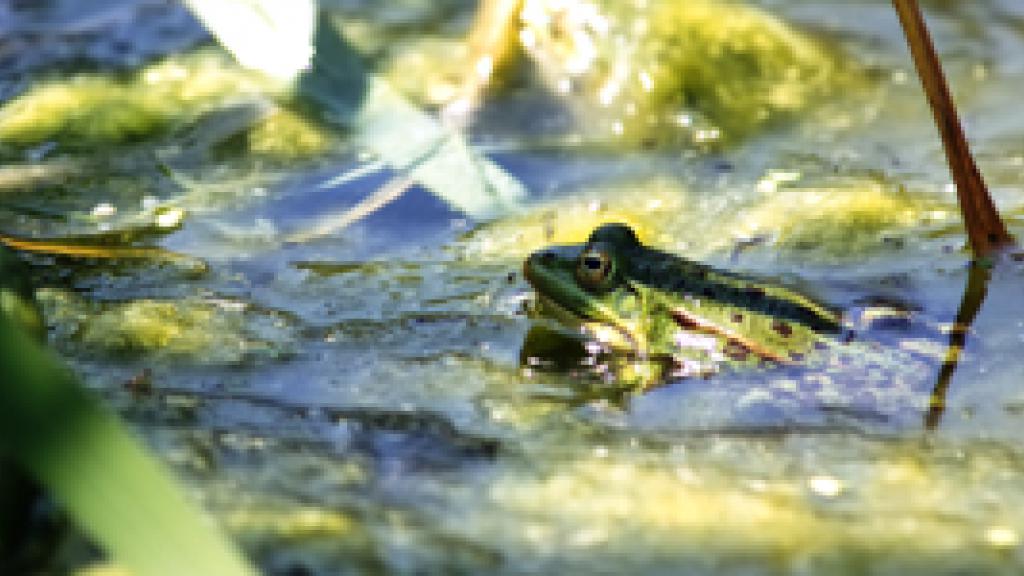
x=78 y=450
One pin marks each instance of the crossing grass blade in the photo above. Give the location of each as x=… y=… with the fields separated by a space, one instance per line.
x=302 y=47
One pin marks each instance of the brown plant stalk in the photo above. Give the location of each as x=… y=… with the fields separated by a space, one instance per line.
x=986 y=232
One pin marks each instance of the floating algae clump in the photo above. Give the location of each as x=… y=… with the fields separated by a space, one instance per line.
x=282 y=134
x=205 y=332
x=850 y=218
x=665 y=71
x=17 y=302
x=93 y=110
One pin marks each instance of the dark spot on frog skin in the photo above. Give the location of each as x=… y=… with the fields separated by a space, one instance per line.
x=782 y=328
x=796 y=356
x=737 y=318
x=735 y=351
x=754 y=293
x=685 y=321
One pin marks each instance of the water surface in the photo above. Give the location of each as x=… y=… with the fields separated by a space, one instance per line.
x=358 y=404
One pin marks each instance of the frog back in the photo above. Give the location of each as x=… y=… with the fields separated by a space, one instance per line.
x=744 y=319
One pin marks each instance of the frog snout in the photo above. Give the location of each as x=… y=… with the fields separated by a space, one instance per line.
x=531 y=261
x=546 y=257
x=535 y=260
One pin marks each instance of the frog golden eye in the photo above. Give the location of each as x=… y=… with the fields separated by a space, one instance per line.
x=594 y=268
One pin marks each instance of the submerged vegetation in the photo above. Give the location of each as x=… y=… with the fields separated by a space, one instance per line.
x=304 y=289
x=99 y=110
x=219 y=331
x=701 y=71
x=698 y=73
x=91 y=110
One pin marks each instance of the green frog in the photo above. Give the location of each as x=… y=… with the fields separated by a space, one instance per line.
x=677 y=318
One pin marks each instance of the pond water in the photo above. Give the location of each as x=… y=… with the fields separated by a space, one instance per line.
x=360 y=402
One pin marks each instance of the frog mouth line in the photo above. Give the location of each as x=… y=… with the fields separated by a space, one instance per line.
x=577 y=326
x=542 y=282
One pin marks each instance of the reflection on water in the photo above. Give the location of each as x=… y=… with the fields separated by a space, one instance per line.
x=974 y=296
x=367 y=402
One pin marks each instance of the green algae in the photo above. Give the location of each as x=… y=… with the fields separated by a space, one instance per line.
x=699 y=71
x=17 y=299
x=204 y=331
x=90 y=111
x=101 y=109
x=660 y=73
x=851 y=218
x=287 y=135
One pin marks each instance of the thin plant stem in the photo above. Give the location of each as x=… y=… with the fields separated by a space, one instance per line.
x=986 y=232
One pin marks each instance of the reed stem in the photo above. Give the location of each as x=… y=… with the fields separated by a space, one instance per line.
x=986 y=232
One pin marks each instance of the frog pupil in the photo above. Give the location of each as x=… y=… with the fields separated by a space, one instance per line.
x=593 y=262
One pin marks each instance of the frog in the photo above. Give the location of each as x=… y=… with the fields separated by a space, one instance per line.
x=678 y=318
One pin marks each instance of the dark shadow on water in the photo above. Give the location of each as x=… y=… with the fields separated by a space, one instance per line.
x=549 y=351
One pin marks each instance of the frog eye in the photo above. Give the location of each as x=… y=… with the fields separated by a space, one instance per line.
x=593 y=268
